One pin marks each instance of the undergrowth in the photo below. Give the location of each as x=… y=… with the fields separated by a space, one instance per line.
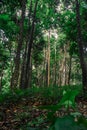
x=26 y=103
x=46 y=93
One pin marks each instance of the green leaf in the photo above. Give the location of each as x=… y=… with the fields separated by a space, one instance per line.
x=82 y=121
x=65 y=123
x=75 y=114
x=69 y=97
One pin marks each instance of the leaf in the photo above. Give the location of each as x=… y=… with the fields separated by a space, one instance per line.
x=51 y=117
x=69 y=96
x=65 y=123
x=82 y=121
x=76 y=114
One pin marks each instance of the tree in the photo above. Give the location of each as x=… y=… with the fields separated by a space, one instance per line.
x=42 y=42
x=15 y=76
x=81 y=47
x=30 y=47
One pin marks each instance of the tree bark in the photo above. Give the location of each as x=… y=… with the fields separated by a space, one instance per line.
x=30 y=47
x=48 y=61
x=69 y=74
x=23 y=69
x=15 y=75
x=1 y=77
x=55 y=74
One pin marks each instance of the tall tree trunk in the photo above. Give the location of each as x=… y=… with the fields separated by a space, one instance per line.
x=30 y=72
x=30 y=47
x=64 y=67
x=80 y=45
x=48 y=61
x=15 y=75
x=60 y=63
x=45 y=66
x=1 y=77
x=69 y=74
x=49 y=58
x=55 y=74
x=23 y=69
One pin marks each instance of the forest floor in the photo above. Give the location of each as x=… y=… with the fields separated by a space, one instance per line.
x=25 y=115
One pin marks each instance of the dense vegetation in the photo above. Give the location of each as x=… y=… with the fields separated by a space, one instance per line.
x=43 y=64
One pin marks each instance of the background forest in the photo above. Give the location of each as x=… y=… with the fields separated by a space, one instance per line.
x=40 y=43
x=43 y=48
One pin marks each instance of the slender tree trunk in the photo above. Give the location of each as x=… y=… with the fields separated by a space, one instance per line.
x=80 y=45
x=69 y=74
x=15 y=75
x=44 y=66
x=30 y=72
x=23 y=69
x=1 y=77
x=64 y=68
x=65 y=71
x=48 y=61
x=55 y=66
x=30 y=47
x=60 y=70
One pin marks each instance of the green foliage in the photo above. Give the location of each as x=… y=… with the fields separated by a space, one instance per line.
x=4 y=55
x=68 y=123
x=58 y=17
x=45 y=93
x=37 y=122
x=82 y=121
x=8 y=25
x=73 y=50
x=68 y=100
x=37 y=93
